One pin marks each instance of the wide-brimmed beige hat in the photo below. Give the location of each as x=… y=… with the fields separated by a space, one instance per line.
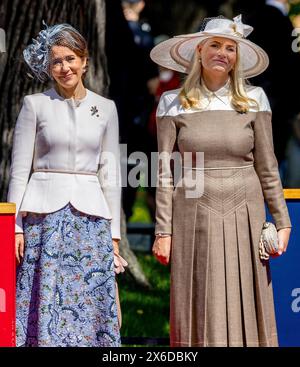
x=176 y=53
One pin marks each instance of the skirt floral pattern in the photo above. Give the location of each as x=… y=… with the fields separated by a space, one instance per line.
x=66 y=294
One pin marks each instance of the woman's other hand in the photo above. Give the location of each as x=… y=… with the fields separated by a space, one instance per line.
x=283 y=239
x=162 y=248
x=19 y=242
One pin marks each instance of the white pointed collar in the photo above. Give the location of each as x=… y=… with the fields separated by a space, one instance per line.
x=222 y=93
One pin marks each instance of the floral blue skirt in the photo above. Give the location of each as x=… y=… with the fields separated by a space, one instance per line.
x=66 y=294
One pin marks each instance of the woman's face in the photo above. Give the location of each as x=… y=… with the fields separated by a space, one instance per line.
x=66 y=67
x=218 y=54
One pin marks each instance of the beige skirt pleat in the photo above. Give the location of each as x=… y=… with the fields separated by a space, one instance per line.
x=221 y=292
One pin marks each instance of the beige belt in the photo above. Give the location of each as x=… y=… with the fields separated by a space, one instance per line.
x=65 y=171
x=215 y=168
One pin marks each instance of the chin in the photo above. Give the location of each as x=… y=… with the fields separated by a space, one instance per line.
x=68 y=84
x=220 y=69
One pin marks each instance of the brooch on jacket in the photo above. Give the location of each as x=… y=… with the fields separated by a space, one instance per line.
x=94 y=110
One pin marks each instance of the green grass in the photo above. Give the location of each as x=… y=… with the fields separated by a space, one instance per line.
x=145 y=313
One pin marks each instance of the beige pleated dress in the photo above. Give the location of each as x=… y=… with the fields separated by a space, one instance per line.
x=221 y=292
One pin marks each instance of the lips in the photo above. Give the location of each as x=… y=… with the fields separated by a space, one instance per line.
x=222 y=61
x=66 y=76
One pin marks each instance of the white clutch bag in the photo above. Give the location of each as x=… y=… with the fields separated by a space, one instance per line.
x=268 y=244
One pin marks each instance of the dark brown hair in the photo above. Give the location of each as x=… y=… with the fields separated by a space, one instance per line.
x=79 y=46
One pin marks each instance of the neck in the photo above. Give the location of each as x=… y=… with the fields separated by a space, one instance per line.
x=77 y=92
x=214 y=82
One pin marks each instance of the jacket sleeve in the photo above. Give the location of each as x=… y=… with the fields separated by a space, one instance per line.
x=166 y=140
x=110 y=172
x=266 y=165
x=22 y=157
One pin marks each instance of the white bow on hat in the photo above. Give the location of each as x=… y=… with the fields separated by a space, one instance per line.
x=233 y=27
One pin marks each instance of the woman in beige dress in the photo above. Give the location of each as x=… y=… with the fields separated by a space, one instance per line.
x=221 y=291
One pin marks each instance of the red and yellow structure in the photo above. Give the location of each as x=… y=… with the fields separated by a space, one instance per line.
x=7 y=275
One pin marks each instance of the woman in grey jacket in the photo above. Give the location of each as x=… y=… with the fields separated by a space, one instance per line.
x=68 y=212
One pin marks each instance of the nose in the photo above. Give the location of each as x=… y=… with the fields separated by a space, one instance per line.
x=64 y=66
x=221 y=51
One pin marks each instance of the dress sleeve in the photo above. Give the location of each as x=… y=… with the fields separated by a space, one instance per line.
x=110 y=172
x=166 y=139
x=266 y=165
x=22 y=157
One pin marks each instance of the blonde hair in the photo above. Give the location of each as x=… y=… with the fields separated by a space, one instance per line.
x=191 y=95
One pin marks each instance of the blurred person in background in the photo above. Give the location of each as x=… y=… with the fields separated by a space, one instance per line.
x=167 y=79
x=292 y=163
x=144 y=80
x=281 y=81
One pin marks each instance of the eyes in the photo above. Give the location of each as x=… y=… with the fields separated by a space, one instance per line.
x=69 y=59
x=218 y=45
